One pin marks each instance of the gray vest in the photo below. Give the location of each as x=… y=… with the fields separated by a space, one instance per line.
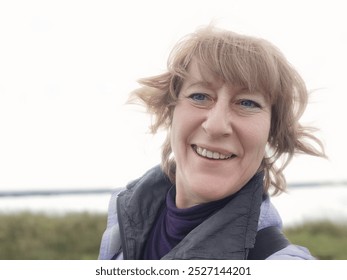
x=228 y=234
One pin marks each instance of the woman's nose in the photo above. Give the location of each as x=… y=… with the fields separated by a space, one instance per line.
x=218 y=121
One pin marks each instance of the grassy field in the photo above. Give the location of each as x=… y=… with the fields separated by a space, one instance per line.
x=41 y=237
x=77 y=236
x=325 y=240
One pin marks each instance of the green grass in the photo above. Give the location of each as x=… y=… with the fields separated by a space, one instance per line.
x=325 y=240
x=78 y=235
x=42 y=237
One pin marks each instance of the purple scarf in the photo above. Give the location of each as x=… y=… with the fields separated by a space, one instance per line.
x=173 y=224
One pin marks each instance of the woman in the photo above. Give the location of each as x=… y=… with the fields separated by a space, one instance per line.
x=231 y=106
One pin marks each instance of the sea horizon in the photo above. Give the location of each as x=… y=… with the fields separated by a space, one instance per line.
x=298 y=205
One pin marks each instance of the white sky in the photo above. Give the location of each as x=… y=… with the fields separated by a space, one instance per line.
x=66 y=68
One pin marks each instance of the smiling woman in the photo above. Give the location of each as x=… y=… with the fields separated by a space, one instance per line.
x=226 y=120
x=231 y=106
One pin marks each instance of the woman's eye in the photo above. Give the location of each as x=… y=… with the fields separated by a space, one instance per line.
x=249 y=103
x=200 y=99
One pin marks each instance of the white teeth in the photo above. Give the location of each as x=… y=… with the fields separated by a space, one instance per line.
x=216 y=155
x=209 y=154
x=222 y=156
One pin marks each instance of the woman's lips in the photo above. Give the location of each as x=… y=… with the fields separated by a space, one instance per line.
x=210 y=154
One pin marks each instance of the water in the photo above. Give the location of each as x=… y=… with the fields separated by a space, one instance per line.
x=56 y=204
x=299 y=205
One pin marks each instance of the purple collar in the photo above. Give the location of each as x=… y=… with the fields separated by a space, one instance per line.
x=173 y=224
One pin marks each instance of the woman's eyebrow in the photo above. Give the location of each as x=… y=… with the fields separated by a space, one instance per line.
x=257 y=94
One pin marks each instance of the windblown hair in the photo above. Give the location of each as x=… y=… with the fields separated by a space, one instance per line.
x=244 y=61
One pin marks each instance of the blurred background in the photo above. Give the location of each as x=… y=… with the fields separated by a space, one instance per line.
x=67 y=138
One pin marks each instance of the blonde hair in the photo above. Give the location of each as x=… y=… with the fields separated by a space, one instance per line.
x=245 y=61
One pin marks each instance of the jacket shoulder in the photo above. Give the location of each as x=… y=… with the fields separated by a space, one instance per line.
x=111 y=240
x=111 y=243
x=269 y=216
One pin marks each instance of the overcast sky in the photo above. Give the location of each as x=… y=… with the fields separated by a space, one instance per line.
x=66 y=68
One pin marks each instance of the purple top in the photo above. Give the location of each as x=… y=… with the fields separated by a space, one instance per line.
x=173 y=224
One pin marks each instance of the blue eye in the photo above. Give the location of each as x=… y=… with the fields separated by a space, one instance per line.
x=249 y=103
x=200 y=100
x=198 y=97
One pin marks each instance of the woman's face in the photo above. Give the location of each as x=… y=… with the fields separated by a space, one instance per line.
x=218 y=137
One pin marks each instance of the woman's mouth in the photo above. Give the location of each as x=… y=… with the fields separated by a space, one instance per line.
x=211 y=154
